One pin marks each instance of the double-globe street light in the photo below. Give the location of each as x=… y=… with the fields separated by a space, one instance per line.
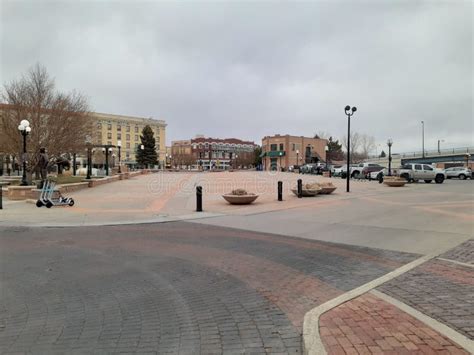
x=349 y=112
x=24 y=129
x=389 y=143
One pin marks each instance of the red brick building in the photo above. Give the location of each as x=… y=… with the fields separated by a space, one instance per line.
x=222 y=154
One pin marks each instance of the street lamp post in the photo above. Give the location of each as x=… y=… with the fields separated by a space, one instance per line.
x=297 y=158
x=24 y=129
x=89 y=158
x=349 y=112
x=389 y=143
x=280 y=154
x=326 y=149
x=439 y=148
x=142 y=147
x=119 y=145
x=467 y=159
x=423 y=138
x=74 y=164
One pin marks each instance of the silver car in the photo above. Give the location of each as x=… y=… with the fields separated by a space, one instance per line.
x=458 y=173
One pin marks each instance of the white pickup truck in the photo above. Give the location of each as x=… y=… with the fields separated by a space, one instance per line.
x=415 y=172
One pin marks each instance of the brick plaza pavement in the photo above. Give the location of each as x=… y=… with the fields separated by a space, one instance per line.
x=440 y=288
x=369 y=325
x=169 y=288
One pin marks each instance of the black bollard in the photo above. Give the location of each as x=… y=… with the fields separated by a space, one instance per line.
x=300 y=188
x=280 y=190
x=198 y=198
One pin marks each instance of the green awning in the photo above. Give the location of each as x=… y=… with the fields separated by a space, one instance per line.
x=275 y=153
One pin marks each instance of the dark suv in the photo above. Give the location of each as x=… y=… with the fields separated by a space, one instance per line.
x=370 y=169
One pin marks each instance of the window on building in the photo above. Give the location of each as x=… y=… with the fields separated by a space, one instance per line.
x=136 y=145
x=128 y=145
x=136 y=137
x=119 y=128
x=281 y=146
x=109 y=127
x=128 y=137
x=136 y=129
x=157 y=139
x=128 y=128
x=128 y=155
x=293 y=147
x=119 y=135
x=273 y=147
x=99 y=125
x=109 y=135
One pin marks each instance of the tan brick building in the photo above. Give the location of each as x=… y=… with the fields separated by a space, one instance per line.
x=282 y=151
x=109 y=129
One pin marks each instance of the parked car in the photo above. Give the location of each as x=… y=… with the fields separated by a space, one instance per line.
x=415 y=172
x=366 y=171
x=357 y=169
x=313 y=168
x=336 y=170
x=458 y=172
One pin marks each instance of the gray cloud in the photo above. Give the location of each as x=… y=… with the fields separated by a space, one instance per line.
x=249 y=69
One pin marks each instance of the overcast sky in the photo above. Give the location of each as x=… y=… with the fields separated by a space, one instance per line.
x=248 y=69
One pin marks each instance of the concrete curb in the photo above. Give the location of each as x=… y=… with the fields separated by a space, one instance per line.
x=448 y=332
x=312 y=343
x=158 y=219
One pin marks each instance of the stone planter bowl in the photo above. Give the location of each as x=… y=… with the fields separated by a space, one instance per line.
x=240 y=199
x=327 y=188
x=395 y=183
x=307 y=193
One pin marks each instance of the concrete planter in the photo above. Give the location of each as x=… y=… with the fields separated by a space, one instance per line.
x=395 y=183
x=240 y=199
x=327 y=190
x=307 y=192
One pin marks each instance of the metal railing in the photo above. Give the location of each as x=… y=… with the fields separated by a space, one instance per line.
x=431 y=153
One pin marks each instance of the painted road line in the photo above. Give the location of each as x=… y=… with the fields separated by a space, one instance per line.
x=456 y=262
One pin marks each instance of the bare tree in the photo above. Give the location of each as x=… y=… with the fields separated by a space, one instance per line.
x=183 y=159
x=367 y=144
x=322 y=135
x=355 y=142
x=59 y=121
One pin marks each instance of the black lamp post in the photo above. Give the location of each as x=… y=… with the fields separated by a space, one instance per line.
x=108 y=150
x=74 y=167
x=423 y=139
x=142 y=147
x=297 y=158
x=24 y=129
x=119 y=145
x=349 y=112
x=326 y=149
x=280 y=154
x=89 y=156
x=389 y=143
x=439 y=147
